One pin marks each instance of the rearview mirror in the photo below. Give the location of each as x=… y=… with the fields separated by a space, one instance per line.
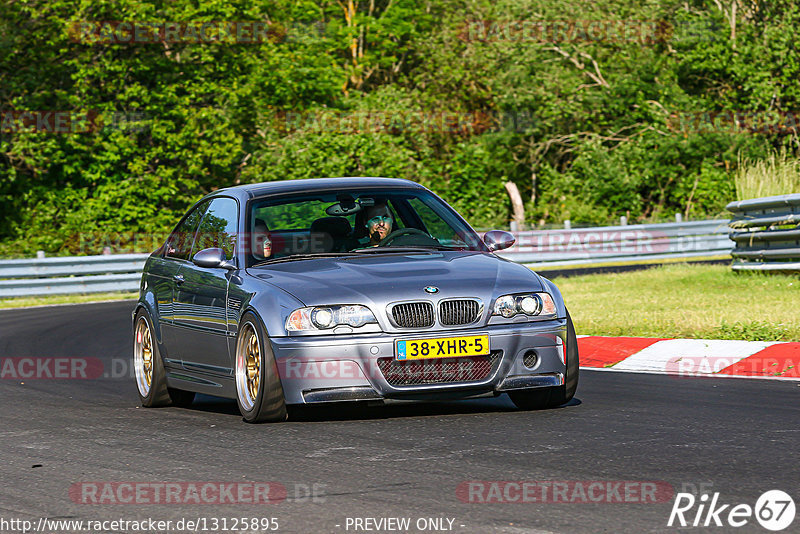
x=212 y=258
x=498 y=240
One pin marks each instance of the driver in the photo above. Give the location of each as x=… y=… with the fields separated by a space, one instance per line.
x=379 y=223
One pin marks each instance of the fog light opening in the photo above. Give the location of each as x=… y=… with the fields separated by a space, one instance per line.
x=530 y=359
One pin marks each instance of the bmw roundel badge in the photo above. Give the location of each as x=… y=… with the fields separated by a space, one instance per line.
x=431 y=289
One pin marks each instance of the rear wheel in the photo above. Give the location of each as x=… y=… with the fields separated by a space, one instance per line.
x=537 y=399
x=151 y=380
x=258 y=386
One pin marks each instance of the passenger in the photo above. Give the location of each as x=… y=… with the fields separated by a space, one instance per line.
x=262 y=244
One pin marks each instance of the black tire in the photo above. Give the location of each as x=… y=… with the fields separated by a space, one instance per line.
x=537 y=399
x=269 y=404
x=181 y=397
x=152 y=384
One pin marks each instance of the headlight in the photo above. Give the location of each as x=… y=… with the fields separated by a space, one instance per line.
x=326 y=317
x=531 y=304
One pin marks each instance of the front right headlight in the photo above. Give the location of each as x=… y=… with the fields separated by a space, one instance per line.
x=538 y=305
x=327 y=317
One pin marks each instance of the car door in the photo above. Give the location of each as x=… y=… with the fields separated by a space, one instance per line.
x=200 y=320
x=163 y=275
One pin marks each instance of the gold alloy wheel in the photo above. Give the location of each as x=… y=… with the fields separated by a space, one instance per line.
x=143 y=357
x=248 y=366
x=253 y=366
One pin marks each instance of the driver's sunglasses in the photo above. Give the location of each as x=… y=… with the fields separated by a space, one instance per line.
x=379 y=219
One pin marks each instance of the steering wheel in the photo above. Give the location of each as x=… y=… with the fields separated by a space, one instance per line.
x=387 y=241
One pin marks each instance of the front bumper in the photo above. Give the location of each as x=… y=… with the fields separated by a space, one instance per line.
x=346 y=367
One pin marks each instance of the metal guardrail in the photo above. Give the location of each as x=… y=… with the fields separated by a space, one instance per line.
x=641 y=243
x=767 y=233
x=70 y=275
x=538 y=249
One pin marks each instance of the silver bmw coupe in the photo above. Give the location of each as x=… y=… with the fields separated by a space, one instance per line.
x=344 y=289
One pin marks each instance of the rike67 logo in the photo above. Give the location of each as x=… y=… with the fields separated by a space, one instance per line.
x=774 y=510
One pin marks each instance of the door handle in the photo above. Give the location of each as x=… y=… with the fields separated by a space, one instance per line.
x=179 y=279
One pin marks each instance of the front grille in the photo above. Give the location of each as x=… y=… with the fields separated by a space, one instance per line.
x=413 y=314
x=458 y=312
x=439 y=370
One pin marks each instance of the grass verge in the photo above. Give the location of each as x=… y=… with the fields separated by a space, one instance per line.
x=685 y=301
x=778 y=174
x=25 y=302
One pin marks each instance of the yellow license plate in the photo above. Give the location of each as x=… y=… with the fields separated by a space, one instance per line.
x=442 y=347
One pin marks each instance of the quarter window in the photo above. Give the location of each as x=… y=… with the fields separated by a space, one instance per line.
x=180 y=241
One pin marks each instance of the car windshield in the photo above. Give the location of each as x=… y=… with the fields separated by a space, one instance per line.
x=353 y=222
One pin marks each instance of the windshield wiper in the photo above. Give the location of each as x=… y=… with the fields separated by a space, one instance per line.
x=418 y=248
x=379 y=250
x=293 y=257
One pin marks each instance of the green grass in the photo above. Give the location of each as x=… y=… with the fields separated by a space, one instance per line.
x=685 y=301
x=24 y=302
x=778 y=174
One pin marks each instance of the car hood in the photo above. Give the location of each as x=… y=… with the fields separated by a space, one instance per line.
x=383 y=278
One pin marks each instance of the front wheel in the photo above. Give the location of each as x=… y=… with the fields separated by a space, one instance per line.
x=258 y=386
x=537 y=399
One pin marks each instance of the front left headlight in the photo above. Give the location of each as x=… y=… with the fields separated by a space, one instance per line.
x=540 y=305
x=327 y=317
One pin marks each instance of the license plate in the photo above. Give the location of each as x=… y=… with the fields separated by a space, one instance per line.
x=442 y=347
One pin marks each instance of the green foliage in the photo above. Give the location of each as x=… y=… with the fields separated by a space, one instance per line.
x=588 y=128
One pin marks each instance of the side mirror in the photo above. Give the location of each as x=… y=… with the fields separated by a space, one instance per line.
x=212 y=258
x=498 y=240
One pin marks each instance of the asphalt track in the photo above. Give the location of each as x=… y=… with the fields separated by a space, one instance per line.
x=738 y=437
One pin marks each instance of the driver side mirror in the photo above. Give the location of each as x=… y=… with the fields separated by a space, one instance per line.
x=212 y=258
x=498 y=240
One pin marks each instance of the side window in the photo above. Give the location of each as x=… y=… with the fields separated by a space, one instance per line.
x=433 y=222
x=218 y=227
x=180 y=241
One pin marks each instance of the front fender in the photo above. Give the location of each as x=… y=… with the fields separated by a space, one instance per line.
x=271 y=304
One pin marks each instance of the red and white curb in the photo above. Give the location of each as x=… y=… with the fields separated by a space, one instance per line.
x=691 y=357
